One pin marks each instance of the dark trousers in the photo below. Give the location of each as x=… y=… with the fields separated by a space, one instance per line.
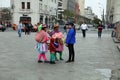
x=84 y=33
x=99 y=33
x=71 y=52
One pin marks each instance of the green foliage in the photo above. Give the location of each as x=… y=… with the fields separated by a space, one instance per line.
x=6 y=14
x=96 y=20
x=68 y=13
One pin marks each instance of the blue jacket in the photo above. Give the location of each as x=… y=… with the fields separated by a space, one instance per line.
x=71 y=37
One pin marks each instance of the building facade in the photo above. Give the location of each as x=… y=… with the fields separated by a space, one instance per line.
x=81 y=6
x=76 y=6
x=37 y=11
x=71 y=5
x=113 y=11
x=89 y=13
x=60 y=9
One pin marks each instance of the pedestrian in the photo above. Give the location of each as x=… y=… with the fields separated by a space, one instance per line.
x=39 y=27
x=70 y=41
x=52 y=51
x=84 y=28
x=100 y=28
x=65 y=29
x=42 y=47
x=58 y=35
x=19 y=27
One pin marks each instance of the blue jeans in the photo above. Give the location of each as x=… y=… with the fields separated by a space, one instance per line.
x=19 y=32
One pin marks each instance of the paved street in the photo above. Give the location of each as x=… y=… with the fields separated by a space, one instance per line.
x=96 y=58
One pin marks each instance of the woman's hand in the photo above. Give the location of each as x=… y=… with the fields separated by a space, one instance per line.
x=66 y=45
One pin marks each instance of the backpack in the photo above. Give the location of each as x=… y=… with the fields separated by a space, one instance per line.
x=38 y=37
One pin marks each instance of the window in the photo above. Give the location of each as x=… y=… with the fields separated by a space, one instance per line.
x=28 y=5
x=45 y=7
x=40 y=6
x=23 y=5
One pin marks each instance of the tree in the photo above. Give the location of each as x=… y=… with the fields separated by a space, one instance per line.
x=68 y=13
x=6 y=14
x=96 y=21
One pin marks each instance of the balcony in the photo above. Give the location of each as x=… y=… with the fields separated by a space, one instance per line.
x=25 y=11
x=60 y=1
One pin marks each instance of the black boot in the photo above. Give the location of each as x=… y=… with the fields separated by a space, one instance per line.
x=39 y=61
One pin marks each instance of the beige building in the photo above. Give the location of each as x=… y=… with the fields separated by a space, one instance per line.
x=81 y=6
x=81 y=3
x=113 y=11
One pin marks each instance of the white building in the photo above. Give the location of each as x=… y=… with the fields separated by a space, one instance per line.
x=88 y=13
x=37 y=10
x=81 y=6
x=60 y=9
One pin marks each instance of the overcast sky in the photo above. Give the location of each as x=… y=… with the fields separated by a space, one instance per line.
x=96 y=5
x=4 y=3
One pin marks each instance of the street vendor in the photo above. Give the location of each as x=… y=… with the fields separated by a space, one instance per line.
x=58 y=36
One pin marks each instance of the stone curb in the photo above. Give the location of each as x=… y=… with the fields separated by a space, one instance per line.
x=116 y=40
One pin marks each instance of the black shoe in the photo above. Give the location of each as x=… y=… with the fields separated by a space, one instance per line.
x=68 y=61
x=56 y=59
x=72 y=61
x=52 y=62
x=46 y=61
x=61 y=59
x=39 y=61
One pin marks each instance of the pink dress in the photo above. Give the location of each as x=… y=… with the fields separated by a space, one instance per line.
x=60 y=47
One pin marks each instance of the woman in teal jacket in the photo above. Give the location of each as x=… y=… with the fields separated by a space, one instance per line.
x=70 y=41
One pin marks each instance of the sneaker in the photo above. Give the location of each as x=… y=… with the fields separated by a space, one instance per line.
x=39 y=61
x=46 y=61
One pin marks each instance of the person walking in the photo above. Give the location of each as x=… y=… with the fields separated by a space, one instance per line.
x=19 y=27
x=100 y=28
x=65 y=28
x=84 y=28
x=70 y=41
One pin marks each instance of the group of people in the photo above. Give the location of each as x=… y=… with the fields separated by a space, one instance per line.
x=84 y=28
x=27 y=28
x=53 y=41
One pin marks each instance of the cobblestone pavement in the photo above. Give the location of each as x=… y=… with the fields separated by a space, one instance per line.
x=96 y=58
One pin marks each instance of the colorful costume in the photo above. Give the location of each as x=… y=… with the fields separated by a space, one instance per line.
x=52 y=51
x=42 y=47
x=58 y=35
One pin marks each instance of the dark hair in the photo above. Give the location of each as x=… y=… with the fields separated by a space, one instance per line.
x=43 y=28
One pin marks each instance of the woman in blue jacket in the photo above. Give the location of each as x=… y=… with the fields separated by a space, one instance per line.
x=70 y=41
